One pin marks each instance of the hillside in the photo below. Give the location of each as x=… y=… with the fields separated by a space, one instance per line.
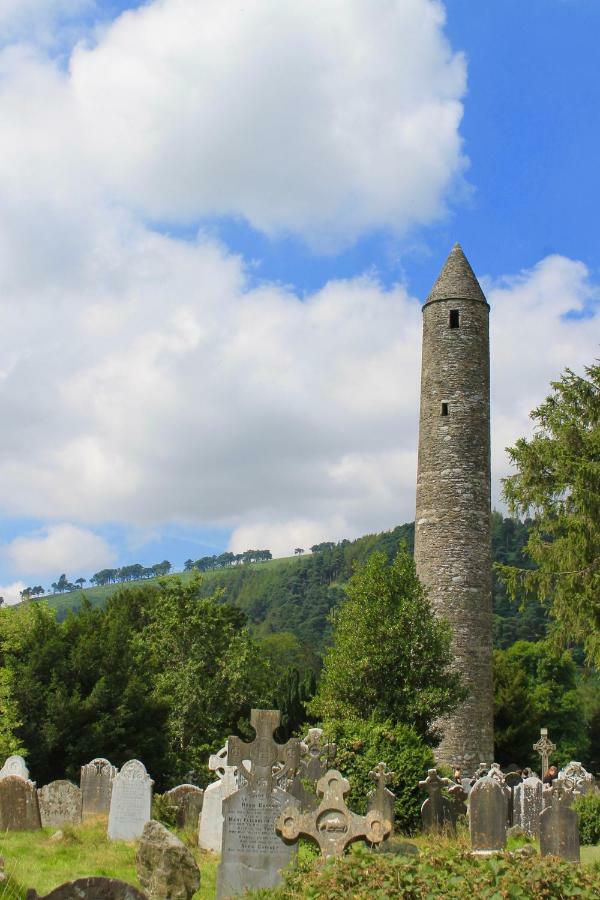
x=295 y=594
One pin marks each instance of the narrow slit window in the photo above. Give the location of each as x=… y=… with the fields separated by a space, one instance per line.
x=454 y=318
x=444 y=409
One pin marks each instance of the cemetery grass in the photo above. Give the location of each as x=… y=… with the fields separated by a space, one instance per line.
x=33 y=861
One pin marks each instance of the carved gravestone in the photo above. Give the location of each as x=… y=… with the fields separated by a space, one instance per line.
x=512 y=779
x=187 y=800
x=487 y=816
x=316 y=756
x=582 y=780
x=210 y=829
x=19 y=809
x=382 y=799
x=96 y=787
x=91 y=889
x=15 y=765
x=332 y=825
x=435 y=811
x=130 y=802
x=528 y=806
x=253 y=854
x=60 y=804
x=559 y=824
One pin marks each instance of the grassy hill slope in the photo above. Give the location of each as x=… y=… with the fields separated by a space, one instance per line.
x=295 y=594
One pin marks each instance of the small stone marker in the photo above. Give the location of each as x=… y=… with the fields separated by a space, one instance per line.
x=19 y=809
x=382 y=799
x=15 y=765
x=130 y=802
x=210 y=829
x=187 y=798
x=60 y=804
x=165 y=866
x=545 y=748
x=528 y=806
x=583 y=781
x=487 y=816
x=96 y=787
x=332 y=826
x=559 y=825
x=91 y=889
x=435 y=811
x=253 y=854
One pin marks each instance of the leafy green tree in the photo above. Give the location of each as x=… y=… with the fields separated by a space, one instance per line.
x=558 y=482
x=535 y=685
x=362 y=744
x=208 y=671
x=10 y=722
x=390 y=658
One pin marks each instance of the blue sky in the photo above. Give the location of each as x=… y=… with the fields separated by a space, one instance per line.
x=213 y=341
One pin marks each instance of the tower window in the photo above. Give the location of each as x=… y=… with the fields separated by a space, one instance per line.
x=444 y=409
x=454 y=318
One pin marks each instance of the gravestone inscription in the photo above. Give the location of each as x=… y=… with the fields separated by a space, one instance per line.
x=60 y=804
x=96 y=787
x=130 y=802
x=487 y=816
x=559 y=824
x=15 y=765
x=210 y=830
x=253 y=854
x=19 y=808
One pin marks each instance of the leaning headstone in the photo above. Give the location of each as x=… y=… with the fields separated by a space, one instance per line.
x=382 y=799
x=187 y=800
x=210 y=829
x=130 y=802
x=91 y=889
x=19 y=808
x=165 y=867
x=332 y=826
x=435 y=811
x=559 y=824
x=60 y=804
x=528 y=806
x=487 y=816
x=582 y=779
x=96 y=787
x=253 y=854
x=15 y=765
x=512 y=779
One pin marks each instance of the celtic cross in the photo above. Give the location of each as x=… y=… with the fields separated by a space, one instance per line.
x=545 y=748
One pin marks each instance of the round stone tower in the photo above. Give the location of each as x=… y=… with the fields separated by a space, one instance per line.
x=452 y=527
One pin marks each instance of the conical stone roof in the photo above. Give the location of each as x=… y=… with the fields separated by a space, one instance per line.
x=457 y=280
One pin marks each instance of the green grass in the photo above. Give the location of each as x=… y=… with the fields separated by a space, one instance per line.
x=33 y=861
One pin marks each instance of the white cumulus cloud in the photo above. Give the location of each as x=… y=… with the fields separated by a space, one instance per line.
x=58 y=548
x=12 y=592
x=321 y=118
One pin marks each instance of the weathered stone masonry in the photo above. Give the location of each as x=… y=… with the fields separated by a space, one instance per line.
x=452 y=540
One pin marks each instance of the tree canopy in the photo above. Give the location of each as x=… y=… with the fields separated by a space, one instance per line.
x=390 y=658
x=557 y=482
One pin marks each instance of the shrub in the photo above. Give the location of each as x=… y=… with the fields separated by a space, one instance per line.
x=362 y=744
x=587 y=806
x=163 y=811
x=441 y=870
